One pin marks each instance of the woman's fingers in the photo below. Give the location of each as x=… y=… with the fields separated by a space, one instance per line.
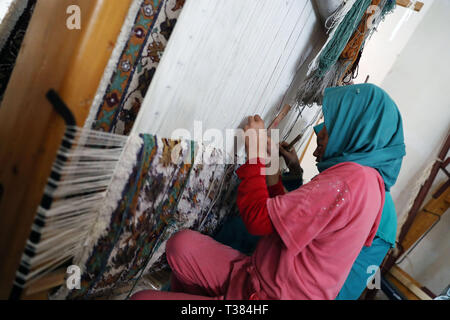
x=255 y=122
x=283 y=152
x=289 y=154
x=259 y=122
x=270 y=144
x=258 y=118
x=285 y=146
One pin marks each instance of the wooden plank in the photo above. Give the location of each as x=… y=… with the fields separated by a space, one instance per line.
x=405 y=3
x=87 y=67
x=439 y=205
x=50 y=281
x=409 y=282
x=25 y=117
x=43 y=295
x=69 y=61
x=425 y=219
x=418 y=201
x=402 y=289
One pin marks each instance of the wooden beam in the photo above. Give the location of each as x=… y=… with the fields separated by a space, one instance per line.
x=405 y=3
x=418 y=201
x=71 y=62
x=400 y=287
x=425 y=219
x=50 y=281
x=392 y=256
x=409 y=284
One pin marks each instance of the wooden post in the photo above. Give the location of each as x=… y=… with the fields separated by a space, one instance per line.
x=52 y=57
x=407 y=285
x=425 y=219
x=405 y=3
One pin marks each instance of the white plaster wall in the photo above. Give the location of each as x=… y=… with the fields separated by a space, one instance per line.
x=418 y=82
x=381 y=52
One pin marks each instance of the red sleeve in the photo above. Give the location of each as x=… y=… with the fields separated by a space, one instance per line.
x=252 y=199
x=277 y=189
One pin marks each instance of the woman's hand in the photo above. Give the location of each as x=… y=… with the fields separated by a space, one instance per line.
x=290 y=156
x=255 y=138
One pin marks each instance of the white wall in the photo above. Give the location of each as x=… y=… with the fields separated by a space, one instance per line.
x=381 y=52
x=418 y=82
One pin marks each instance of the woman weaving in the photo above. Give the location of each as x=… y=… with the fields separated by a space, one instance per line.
x=318 y=240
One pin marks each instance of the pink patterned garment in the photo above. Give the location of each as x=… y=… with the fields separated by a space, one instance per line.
x=321 y=228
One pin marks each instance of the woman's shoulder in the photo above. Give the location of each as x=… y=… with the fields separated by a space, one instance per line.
x=353 y=174
x=345 y=168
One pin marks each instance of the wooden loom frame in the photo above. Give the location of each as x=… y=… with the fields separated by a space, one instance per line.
x=70 y=61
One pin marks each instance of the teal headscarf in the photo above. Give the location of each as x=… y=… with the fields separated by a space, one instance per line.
x=364 y=126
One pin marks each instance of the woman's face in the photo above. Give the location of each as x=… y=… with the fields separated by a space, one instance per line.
x=322 y=141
